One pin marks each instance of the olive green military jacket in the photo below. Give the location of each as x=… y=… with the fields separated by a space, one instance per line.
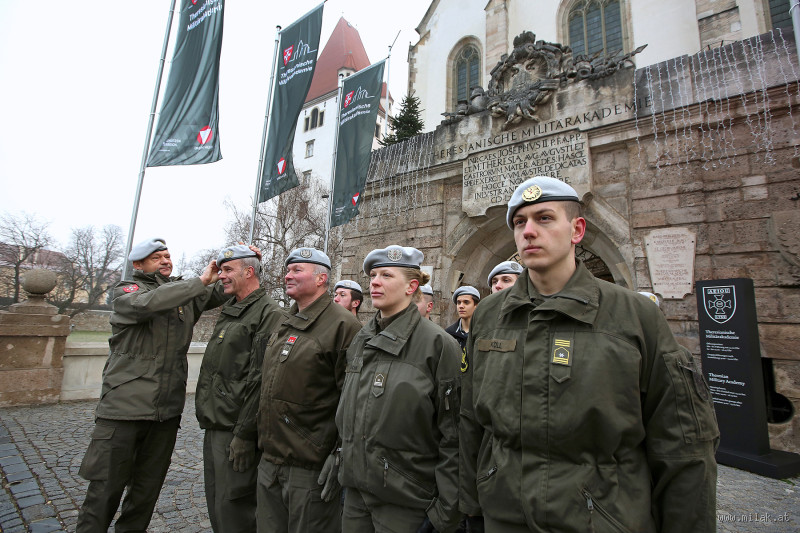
x=301 y=382
x=229 y=384
x=151 y=328
x=581 y=412
x=398 y=416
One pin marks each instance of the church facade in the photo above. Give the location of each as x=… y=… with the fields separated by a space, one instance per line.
x=687 y=167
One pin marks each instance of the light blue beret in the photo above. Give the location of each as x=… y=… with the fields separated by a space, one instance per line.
x=539 y=189
x=466 y=289
x=348 y=284
x=308 y=255
x=237 y=251
x=426 y=289
x=145 y=248
x=393 y=256
x=506 y=267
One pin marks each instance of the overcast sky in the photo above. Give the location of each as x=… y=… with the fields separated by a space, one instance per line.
x=78 y=81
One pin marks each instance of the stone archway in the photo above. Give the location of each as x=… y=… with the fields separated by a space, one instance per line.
x=480 y=243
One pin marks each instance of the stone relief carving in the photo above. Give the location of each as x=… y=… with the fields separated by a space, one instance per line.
x=528 y=77
x=784 y=235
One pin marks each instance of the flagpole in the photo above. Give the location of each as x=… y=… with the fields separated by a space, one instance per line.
x=386 y=110
x=146 y=151
x=333 y=164
x=264 y=136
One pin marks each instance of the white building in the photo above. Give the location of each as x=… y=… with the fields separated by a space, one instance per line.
x=461 y=41
x=344 y=54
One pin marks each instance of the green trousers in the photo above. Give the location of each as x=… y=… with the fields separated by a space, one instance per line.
x=230 y=495
x=132 y=453
x=363 y=513
x=289 y=501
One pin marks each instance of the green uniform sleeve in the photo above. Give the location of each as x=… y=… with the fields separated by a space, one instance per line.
x=443 y=512
x=681 y=439
x=141 y=305
x=470 y=435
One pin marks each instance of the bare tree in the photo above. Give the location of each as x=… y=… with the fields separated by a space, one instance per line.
x=293 y=220
x=92 y=264
x=21 y=239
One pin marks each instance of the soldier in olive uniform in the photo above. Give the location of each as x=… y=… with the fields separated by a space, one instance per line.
x=580 y=411
x=424 y=300
x=504 y=275
x=398 y=416
x=301 y=382
x=228 y=390
x=349 y=295
x=144 y=388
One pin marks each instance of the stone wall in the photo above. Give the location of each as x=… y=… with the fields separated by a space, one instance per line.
x=666 y=147
x=97 y=320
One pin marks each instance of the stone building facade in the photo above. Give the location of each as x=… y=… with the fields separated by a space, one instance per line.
x=705 y=145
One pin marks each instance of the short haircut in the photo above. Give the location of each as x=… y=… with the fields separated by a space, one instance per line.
x=573 y=210
x=252 y=262
x=322 y=269
x=356 y=295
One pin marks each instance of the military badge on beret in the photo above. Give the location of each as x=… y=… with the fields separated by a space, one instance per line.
x=394 y=254
x=228 y=253
x=305 y=253
x=532 y=193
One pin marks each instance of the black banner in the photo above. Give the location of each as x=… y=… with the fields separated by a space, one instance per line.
x=358 y=111
x=297 y=59
x=187 y=132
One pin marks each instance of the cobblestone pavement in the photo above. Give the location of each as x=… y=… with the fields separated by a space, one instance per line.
x=41 y=450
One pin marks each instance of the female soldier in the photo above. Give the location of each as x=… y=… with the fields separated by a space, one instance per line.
x=398 y=413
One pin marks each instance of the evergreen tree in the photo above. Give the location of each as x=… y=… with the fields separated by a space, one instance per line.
x=407 y=123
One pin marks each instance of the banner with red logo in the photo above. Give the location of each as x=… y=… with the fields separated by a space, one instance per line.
x=358 y=113
x=297 y=59
x=187 y=131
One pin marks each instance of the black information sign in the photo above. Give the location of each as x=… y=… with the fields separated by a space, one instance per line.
x=729 y=345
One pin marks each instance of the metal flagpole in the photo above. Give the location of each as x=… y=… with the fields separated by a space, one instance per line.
x=264 y=136
x=146 y=152
x=386 y=110
x=333 y=164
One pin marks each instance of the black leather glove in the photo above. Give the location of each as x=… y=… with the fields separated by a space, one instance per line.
x=426 y=527
x=475 y=524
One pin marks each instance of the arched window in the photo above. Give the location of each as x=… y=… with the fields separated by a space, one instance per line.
x=595 y=26
x=314 y=117
x=467 y=72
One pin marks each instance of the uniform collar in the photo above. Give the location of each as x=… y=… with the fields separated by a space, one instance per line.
x=579 y=299
x=303 y=319
x=396 y=335
x=154 y=277
x=234 y=308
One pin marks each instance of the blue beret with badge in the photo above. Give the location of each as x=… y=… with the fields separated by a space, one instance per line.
x=539 y=189
x=145 y=248
x=469 y=290
x=308 y=255
x=506 y=267
x=348 y=284
x=237 y=251
x=394 y=256
x=426 y=289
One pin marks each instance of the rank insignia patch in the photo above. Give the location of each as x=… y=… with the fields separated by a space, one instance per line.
x=561 y=352
x=131 y=288
x=379 y=380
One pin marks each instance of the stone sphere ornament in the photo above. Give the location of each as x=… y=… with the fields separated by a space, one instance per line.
x=39 y=281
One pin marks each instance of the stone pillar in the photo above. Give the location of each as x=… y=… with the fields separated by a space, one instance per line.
x=32 y=340
x=497 y=42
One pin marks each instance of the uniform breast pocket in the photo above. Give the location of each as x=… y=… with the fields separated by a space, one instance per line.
x=497 y=383
x=302 y=375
